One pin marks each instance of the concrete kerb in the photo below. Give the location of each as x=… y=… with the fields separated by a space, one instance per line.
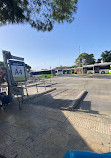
x=76 y=101
x=38 y=95
x=38 y=84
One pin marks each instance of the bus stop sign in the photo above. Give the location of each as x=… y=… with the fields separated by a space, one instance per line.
x=17 y=71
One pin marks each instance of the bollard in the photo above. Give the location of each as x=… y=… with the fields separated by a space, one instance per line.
x=44 y=85
x=26 y=89
x=36 y=88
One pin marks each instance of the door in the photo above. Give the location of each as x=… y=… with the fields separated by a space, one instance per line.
x=96 y=69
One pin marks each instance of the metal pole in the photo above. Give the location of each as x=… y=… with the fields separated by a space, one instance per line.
x=50 y=77
x=20 y=108
x=79 y=54
x=44 y=85
x=6 y=56
x=37 y=88
x=26 y=88
x=93 y=68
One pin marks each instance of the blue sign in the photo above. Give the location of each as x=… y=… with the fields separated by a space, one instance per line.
x=17 y=70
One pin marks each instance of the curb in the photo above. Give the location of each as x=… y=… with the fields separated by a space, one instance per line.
x=38 y=85
x=38 y=95
x=76 y=101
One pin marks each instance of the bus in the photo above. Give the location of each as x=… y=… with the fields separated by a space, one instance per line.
x=64 y=71
x=60 y=72
x=69 y=71
x=101 y=68
x=88 y=69
x=43 y=72
x=79 y=70
x=73 y=70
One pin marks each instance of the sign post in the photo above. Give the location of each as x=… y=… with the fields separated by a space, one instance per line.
x=7 y=55
x=15 y=70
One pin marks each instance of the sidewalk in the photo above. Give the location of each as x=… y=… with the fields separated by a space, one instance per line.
x=42 y=132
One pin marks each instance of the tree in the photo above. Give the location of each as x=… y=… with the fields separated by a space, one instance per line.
x=106 y=56
x=99 y=60
x=40 y=14
x=28 y=68
x=85 y=59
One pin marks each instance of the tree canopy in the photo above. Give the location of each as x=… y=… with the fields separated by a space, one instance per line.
x=40 y=14
x=99 y=60
x=106 y=56
x=28 y=67
x=85 y=59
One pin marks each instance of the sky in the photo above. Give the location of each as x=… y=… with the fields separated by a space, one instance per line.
x=91 y=30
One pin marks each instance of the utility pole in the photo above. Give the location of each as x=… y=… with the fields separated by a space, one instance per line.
x=79 y=50
x=59 y=60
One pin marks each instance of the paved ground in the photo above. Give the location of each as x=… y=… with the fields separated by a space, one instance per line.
x=56 y=99
x=39 y=131
x=99 y=76
x=32 y=87
x=97 y=100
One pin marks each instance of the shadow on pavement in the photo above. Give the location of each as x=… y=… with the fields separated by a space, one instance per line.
x=38 y=131
x=85 y=106
x=48 y=101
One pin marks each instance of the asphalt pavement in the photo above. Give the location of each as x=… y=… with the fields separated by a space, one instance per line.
x=97 y=101
x=99 y=76
x=41 y=129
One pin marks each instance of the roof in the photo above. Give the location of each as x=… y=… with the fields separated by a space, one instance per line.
x=98 y=64
x=62 y=68
x=88 y=65
x=106 y=63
